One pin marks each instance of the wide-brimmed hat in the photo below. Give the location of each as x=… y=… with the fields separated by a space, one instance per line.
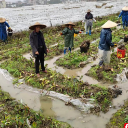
x=2 y=20
x=88 y=10
x=109 y=24
x=125 y=8
x=37 y=24
x=70 y=23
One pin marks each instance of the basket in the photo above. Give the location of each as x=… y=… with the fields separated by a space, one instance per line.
x=125 y=39
x=9 y=33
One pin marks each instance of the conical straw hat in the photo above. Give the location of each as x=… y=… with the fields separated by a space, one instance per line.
x=109 y=24
x=70 y=23
x=125 y=8
x=2 y=20
x=37 y=24
x=89 y=10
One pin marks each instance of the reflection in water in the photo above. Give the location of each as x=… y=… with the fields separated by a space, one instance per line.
x=46 y=106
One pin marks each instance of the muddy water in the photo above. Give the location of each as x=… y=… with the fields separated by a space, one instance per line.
x=48 y=106
x=56 y=108
x=72 y=73
x=53 y=107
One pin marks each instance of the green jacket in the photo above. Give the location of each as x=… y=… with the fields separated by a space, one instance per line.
x=69 y=36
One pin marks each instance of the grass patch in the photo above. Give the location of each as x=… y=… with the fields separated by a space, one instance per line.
x=72 y=60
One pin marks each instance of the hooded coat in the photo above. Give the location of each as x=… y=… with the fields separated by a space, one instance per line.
x=69 y=36
x=3 y=32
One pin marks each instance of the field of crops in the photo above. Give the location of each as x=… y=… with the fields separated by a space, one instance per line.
x=21 y=68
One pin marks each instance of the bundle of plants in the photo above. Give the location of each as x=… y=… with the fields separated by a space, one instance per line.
x=122 y=47
x=84 y=47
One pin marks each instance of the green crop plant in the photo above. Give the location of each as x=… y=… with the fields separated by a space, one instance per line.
x=72 y=60
x=126 y=119
x=119 y=118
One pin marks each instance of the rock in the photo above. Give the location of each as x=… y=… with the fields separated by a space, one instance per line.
x=117 y=92
x=115 y=86
x=82 y=64
x=122 y=47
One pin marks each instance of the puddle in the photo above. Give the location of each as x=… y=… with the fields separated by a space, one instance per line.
x=56 y=108
x=50 y=106
x=71 y=73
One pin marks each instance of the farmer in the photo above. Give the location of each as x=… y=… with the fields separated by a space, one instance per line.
x=124 y=15
x=89 y=21
x=69 y=32
x=106 y=42
x=3 y=32
x=38 y=46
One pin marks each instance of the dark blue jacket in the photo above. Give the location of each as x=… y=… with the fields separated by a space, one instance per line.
x=3 y=33
x=124 y=15
x=106 y=39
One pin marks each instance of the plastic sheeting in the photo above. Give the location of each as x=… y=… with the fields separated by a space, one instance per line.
x=76 y=102
x=122 y=77
x=6 y=74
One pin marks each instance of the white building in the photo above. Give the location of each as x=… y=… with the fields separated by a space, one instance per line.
x=2 y=4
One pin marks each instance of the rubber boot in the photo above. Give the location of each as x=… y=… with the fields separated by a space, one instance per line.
x=90 y=32
x=126 y=24
x=64 y=51
x=70 y=49
x=101 y=63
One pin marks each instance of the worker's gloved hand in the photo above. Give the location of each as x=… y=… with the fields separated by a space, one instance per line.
x=115 y=45
x=61 y=33
x=9 y=28
x=94 y=20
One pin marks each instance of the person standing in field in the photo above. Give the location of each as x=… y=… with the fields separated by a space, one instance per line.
x=89 y=22
x=38 y=45
x=69 y=32
x=124 y=15
x=3 y=31
x=106 y=42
